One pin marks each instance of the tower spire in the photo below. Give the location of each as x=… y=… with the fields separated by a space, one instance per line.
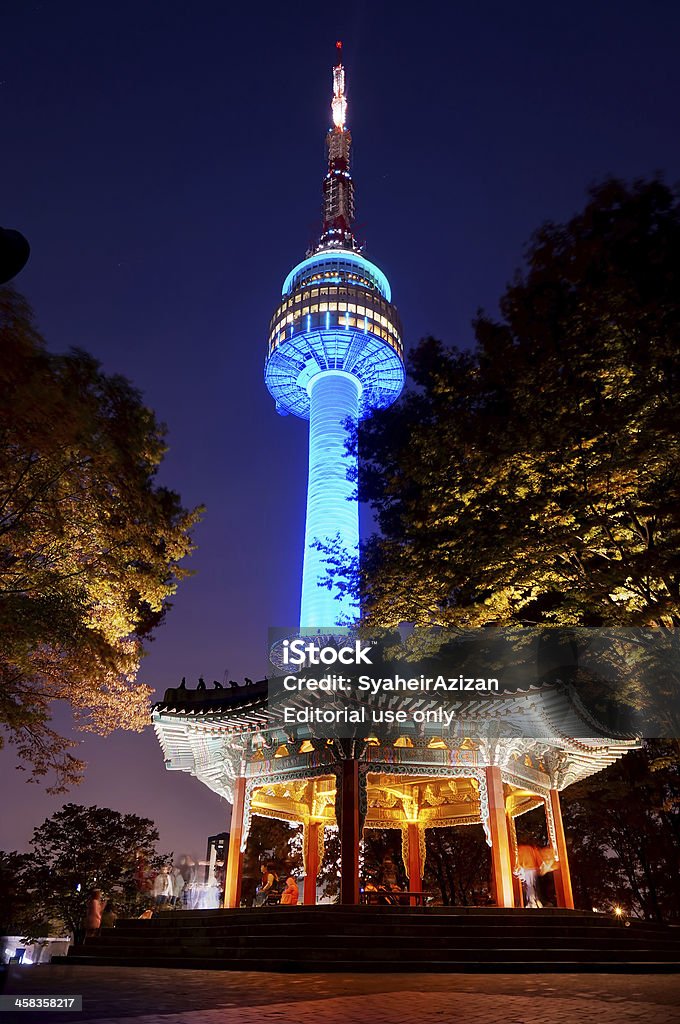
x=338 y=187
x=339 y=101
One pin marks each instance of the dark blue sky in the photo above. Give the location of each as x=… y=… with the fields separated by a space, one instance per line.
x=165 y=162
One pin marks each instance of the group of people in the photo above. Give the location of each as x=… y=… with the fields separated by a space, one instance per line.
x=533 y=862
x=175 y=886
x=270 y=887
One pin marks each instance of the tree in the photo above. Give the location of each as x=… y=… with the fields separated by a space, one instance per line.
x=458 y=864
x=270 y=841
x=17 y=897
x=90 y=545
x=328 y=878
x=624 y=832
x=537 y=478
x=83 y=848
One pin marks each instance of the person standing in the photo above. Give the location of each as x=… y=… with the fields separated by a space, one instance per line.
x=162 y=887
x=177 y=887
x=142 y=873
x=533 y=861
x=189 y=871
x=93 y=913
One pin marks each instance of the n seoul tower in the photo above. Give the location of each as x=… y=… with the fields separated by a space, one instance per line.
x=334 y=354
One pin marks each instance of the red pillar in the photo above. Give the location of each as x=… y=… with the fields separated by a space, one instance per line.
x=348 y=780
x=311 y=862
x=234 y=874
x=501 y=871
x=562 y=877
x=414 y=866
x=517 y=893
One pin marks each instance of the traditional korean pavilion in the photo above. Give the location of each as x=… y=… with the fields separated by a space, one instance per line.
x=475 y=772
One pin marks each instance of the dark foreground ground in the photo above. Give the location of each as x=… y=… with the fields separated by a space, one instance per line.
x=162 y=996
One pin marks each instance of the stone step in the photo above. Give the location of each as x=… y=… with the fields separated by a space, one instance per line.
x=372 y=938
x=388 y=966
x=360 y=914
x=613 y=938
x=286 y=932
x=383 y=951
x=335 y=945
x=292 y=914
x=290 y=917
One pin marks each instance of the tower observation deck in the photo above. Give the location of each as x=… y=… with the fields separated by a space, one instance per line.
x=334 y=354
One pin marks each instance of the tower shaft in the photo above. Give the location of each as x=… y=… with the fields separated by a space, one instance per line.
x=332 y=510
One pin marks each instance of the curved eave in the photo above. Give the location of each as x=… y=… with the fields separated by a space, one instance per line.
x=236 y=713
x=207 y=738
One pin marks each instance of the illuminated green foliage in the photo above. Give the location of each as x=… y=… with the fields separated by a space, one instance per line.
x=536 y=478
x=90 y=545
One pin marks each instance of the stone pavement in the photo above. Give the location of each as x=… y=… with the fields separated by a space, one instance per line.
x=147 y=996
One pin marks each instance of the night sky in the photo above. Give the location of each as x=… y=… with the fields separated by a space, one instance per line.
x=165 y=161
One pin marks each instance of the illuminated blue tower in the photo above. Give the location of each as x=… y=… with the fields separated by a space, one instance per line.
x=334 y=355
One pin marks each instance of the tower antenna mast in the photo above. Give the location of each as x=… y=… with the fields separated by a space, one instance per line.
x=339 y=102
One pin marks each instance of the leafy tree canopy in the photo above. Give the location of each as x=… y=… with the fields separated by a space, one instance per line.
x=17 y=913
x=623 y=826
x=90 y=545
x=536 y=478
x=458 y=866
x=82 y=848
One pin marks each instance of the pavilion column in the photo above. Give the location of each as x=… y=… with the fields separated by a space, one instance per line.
x=415 y=867
x=501 y=869
x=311 y=841
x=348 y=805
x=516 y=880
x=234 y=873
x=562 y=877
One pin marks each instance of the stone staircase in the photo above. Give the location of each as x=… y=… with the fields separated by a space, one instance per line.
x=338 y=938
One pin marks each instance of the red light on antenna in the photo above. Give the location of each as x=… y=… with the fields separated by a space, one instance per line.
x=338 y=45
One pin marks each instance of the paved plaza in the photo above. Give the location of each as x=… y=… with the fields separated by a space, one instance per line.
x=148 y=996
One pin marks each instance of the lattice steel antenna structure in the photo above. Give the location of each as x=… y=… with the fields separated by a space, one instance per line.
x=334 y=354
